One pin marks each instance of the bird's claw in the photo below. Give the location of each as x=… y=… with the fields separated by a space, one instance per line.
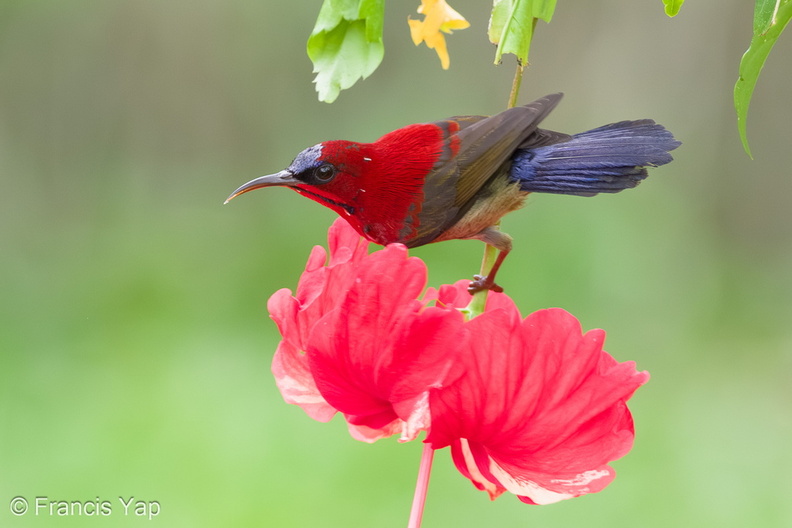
x=481 y=283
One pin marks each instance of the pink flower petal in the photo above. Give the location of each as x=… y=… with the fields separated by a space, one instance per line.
x=376 y=356
x=541 y=407
x=456 y=295
x=345 y=243
x=370 y=435
x=321 y=288
x=465 y=461
x=296 y=383
x=284 y=310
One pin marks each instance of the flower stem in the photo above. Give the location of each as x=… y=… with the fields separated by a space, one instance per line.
x=479 y=302
x=515 y=90
x=419 y=499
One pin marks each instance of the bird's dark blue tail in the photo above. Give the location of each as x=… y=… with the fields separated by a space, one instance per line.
x=608 y=159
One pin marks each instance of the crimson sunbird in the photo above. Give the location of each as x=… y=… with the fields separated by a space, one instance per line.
x=456 y=178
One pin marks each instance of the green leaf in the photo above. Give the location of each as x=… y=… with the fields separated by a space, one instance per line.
x=512 y=23
x=345 y=44
x=672 y=7
x=770 y=19
x=764 y=14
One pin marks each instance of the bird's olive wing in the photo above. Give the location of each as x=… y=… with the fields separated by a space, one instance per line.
x=474 y=149
x=487 y=144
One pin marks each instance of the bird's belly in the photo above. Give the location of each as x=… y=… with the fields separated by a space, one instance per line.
x=493 y=202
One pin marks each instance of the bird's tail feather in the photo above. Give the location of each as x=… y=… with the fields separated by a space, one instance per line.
x=608 y=159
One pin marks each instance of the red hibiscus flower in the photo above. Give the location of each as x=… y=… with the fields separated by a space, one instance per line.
x=357 y=339
x=532 y=406
x=541 y=409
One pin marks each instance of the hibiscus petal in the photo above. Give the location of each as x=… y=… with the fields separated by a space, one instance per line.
x=371 y=435
x=296 y=383
x=312 y=280
x=376 y=355
x=542 y=406
x=465 y=461
x=419 y=418
x=456 y=295
x=345 y=243
x=590 y=481
x=283 y=309
x=322 y=285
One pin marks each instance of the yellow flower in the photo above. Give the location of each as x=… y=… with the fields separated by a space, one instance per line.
x=439 y=16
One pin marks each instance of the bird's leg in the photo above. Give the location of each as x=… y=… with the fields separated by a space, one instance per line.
x=503 y=243
x=481 y=283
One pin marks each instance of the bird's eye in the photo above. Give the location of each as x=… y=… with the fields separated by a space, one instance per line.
x=324 y=173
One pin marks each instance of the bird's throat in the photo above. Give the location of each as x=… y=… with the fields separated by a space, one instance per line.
x=327 y=202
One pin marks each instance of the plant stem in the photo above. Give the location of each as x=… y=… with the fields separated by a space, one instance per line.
x=419 y=499
x=479 y=302
x=515 y=90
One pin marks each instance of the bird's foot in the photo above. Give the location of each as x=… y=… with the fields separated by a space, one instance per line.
x=481 y=283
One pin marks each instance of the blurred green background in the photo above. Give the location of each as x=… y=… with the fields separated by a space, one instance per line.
x=135 y=343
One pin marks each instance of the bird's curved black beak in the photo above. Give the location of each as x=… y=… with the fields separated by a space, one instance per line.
x=282 y=178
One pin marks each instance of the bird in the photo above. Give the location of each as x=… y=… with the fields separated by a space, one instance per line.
x=456 y=178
